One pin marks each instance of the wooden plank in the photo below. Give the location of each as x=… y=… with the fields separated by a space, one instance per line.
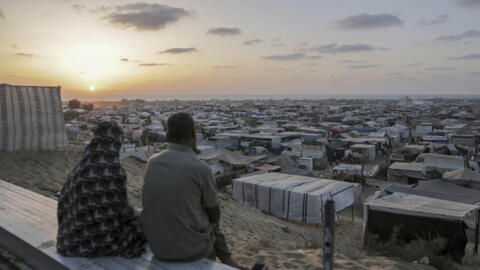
x=28 y=228
x=27 y=193
x=20 y=203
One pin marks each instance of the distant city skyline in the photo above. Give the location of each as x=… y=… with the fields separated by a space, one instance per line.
x=154 y=49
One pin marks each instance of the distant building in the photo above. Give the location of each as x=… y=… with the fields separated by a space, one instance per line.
x=406 y=101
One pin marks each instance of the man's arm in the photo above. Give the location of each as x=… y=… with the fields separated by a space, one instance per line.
x=210 y=197
x=213 y=214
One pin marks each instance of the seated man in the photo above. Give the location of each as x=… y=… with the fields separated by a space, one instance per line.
x=180 y=205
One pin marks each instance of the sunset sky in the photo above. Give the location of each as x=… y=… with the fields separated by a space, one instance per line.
x=153 y=49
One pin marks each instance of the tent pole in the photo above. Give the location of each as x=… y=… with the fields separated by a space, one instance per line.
x=475 y=249
x=329 y=235
x=352 y=213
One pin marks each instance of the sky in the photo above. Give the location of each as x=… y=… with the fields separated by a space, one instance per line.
x=153 y=49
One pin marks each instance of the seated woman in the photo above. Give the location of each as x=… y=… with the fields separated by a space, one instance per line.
x=94 y=217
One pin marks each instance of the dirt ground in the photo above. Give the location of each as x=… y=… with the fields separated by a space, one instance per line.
x=252 y=235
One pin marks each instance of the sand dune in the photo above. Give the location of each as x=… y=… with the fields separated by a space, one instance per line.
x=252 y=235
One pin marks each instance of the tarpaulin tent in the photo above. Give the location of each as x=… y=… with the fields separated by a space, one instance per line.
x=405 y=173
x=438 y=189
x=294 y=197
x=31 y=118
x=444 y=162
x=355 y=169
x=409 y=217
x=233 y=158
x=463 y=177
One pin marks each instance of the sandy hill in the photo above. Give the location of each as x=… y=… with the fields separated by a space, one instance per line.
x=252 y=235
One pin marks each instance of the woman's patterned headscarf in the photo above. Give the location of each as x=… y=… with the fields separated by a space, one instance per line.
x=94 y=217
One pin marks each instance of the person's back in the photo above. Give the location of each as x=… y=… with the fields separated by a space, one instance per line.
x=176 y=191
x=180 y=205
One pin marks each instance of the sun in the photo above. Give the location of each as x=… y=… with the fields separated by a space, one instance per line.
x=92 y=88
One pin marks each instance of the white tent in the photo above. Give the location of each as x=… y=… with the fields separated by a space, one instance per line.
x=414 y=205
x=31 y=118
x=401 y=172
x=294 y=197
x=409 y=217
x=445 y=162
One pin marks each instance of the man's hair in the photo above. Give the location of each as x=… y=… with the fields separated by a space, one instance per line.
x=180 y=127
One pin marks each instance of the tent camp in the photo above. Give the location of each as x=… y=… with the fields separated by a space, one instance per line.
x=31 y=118
x=463 y=177
x=294 y=197
x=409 y=216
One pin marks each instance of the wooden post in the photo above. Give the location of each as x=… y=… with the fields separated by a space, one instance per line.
x=352 y=211
x=328 y=234
x=475 y=249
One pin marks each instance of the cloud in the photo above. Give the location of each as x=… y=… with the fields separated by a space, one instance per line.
x=100 y=9
x=437 y=20
x=224 y=67
x=441 y=68
x=475 y=73
x=1 y=15
x=124 y=59
x=313 y=57
x=224 y=31
x=14 y=45
x=145 y=17
x=334 y=48
x=153 y=64
x=79 y=8
x=468 y=3
x=415 y=64
x=277 y=42
x=365 y=21
x=25 y=54
x=473 y=56
x=464 y=35
x=348 y=61
x=252 y=42
x=364 y=66
x=285 y=57
x=179 y=50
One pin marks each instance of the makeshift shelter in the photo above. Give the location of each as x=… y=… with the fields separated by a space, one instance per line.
x=463 y=177
x=438 y=189
x=363 y=151
x=411 y=151
x=443 y=162
x=355 y=170
x=234 y=158
x=409 y=217
x=222 y=161
x=406 y=173
x=294 y=197
x=31 y=118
